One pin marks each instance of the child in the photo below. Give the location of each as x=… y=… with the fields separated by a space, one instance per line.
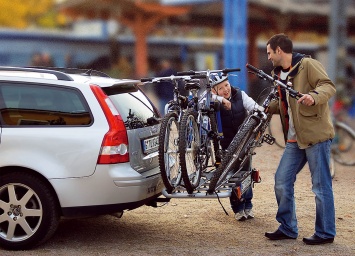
x=235 y=104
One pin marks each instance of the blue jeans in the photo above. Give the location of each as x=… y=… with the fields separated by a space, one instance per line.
x=292 y=162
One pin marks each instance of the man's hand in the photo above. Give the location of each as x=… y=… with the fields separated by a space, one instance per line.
x=226 y=104
x=307 y=100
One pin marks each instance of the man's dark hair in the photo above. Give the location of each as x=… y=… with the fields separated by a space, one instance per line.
x=282 y=41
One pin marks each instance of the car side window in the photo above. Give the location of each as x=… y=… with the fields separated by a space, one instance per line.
x=33 y=105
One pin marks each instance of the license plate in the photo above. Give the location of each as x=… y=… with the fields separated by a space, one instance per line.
x=150 y=145
x=246 y=183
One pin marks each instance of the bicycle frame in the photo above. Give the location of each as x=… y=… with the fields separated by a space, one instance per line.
x=250 y=135
x=262 y=112
x=175 y=104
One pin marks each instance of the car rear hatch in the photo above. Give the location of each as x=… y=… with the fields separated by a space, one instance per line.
x=140 y=118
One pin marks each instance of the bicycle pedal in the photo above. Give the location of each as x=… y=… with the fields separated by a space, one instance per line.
x=269 y=139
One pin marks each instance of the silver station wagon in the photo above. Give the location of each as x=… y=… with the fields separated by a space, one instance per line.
x=73 y=143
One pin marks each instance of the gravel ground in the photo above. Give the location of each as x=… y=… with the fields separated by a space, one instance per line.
x=200 y=226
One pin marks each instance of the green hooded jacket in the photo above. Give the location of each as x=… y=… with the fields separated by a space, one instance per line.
x=313 y=124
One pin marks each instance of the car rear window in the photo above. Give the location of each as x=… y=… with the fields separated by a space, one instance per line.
x=29 y=104
x=135 y=108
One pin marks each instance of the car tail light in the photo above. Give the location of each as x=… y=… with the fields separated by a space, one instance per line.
x=114 y=148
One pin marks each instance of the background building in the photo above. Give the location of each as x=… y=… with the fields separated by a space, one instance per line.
x=134 y=36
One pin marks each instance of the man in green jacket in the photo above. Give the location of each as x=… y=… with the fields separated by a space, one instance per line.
x=308 y=131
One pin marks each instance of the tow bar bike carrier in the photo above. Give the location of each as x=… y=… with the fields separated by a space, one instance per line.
x=238 y=181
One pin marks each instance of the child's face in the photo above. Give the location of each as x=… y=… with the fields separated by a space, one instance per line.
x=224 y=89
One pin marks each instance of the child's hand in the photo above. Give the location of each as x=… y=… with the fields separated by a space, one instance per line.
x=226 y=104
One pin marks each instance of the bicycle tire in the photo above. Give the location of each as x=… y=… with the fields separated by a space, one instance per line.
x=342 y=146
x=189 y=155
x=236 y=147
x=168 y=152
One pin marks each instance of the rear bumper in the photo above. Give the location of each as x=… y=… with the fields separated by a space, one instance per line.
x=87 y=211
x=115 y=187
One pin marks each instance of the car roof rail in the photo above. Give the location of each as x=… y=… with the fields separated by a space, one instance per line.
x=81 y=71
x=58 y=74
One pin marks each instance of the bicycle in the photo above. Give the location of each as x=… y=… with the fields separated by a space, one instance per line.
x=200 y=132
x=251 y=134
x=169 y=163
x=342 y=145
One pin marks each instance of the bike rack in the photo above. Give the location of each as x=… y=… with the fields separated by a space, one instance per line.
x=223 y=191
x=198 y=194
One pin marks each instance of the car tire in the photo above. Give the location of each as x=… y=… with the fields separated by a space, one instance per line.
x=29 y=213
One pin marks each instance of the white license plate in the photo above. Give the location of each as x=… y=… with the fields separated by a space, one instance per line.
x=246 y=183
x=150 y=145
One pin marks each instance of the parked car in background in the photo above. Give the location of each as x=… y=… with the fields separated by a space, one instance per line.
x=73 y=143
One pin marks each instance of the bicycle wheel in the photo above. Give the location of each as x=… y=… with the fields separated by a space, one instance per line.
x=342 y=146
x=275 y=130
x=189 y=150
x=168 y=152
x=234 y=155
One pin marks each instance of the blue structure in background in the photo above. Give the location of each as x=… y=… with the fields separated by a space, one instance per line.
x=235 y=45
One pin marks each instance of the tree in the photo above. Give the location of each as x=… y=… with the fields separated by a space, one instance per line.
x=24 y=13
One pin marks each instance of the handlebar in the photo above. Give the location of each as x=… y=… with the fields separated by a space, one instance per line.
x=186 y=73
x=200 y=76
x=206 y=72
x=172 y=78
x=254 y=69
x=261 y=74
x=228 y=70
